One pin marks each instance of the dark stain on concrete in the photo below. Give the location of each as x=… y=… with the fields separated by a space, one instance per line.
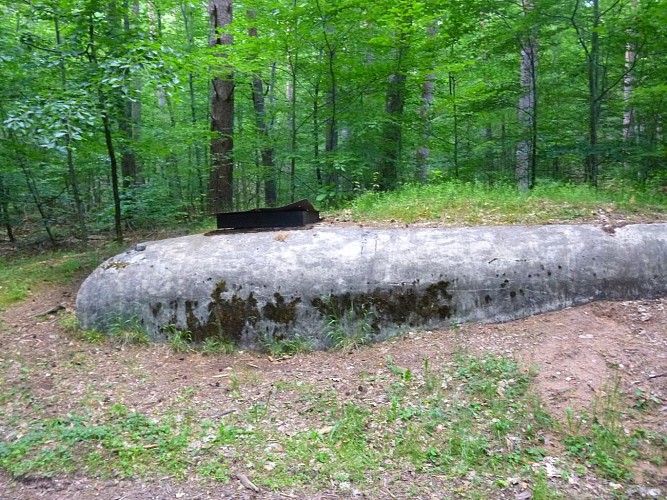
x=281 y=311
x=156 y=308
x=190 y=318
x=405 y=305
x=227 y=318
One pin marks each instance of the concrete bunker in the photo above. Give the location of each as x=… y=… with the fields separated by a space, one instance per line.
x=254 y=287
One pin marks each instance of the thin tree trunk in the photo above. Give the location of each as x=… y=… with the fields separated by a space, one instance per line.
x=526 y=148
x=34 y=190
x=71 y=170
x=222 y=114
x=293 y=58
x=118 y=223
x=186 y=11
x=267 y=153
x=392 y=133
x=489 y=150
x=4 y=211
x=593 y=97
x=316 y=127
x=129 y=116
x=628 y=88
x=30 y=182
x=331 y=177
x=592 y=66
x=422 y=155
x=455 y=117
x=108 y=139
x=507 y=153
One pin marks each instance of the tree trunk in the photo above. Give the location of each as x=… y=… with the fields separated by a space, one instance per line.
x=222 y=113
x=114 y=169
x=71 y=170
x=331 y=176
x=292 y=61
x=628 y=87
x=32 y=187
x=422 y=154
x=4 y=211
x=106 y=123
x=196 y=170
x=392 y=133
x=129 y=113
x=316 y=127
x=455 y=117
x=593 y=61
x=526 y=148
x=267 y=153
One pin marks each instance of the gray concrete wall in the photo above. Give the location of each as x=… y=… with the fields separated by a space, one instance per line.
x=254 y=287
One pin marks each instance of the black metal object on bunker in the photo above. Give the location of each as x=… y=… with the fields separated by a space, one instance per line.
x=297 y=214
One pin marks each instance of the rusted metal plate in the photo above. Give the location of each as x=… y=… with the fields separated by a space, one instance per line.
x=297 y=214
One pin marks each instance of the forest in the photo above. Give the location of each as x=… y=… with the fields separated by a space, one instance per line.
x=130 y=114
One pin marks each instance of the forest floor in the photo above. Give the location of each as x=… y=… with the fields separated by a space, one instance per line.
x=606 y=360
x=570 y=404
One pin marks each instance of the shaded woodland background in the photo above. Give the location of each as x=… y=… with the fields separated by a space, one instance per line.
x=120 y=114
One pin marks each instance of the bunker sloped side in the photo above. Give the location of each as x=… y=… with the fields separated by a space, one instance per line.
x=253 y=288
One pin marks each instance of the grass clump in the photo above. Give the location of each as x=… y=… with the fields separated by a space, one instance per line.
x=288 y=346
x=179 y=341
x=212 y=346
x=349 y=329
x=70 y=324
x=127 y=332
x=599 y=438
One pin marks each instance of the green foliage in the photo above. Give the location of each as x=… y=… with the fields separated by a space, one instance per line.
x=179 y=341
x=212 y=346
x=351 y=328
x=288 y=346
x=127 y=332
x=334 y=123
x=123 y=443
x=70 y=324
x=598 y=437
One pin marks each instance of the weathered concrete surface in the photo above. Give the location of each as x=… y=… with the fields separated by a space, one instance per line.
x=256 y=287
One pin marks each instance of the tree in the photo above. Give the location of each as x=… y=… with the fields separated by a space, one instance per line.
x=262 y=124
x=221 y=187
x=526 y=155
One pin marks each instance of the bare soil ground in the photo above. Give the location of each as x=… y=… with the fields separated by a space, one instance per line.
x=581 y=353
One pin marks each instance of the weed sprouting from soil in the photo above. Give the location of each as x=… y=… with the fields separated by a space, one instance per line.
x=287 y=346
x=128 y=332
x=444 y=428
x=599 y=438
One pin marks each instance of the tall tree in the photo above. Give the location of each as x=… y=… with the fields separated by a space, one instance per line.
x=262 y=124
x=130 y=104
x=526 y=156
x=428 y=86
x=221 y=186
x=392 y=135
x=628 y=86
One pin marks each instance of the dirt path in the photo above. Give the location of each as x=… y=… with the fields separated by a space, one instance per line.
x=581 y=354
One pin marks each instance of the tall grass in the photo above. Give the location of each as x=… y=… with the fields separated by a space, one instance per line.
x=465 y=203
x=21 y=276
